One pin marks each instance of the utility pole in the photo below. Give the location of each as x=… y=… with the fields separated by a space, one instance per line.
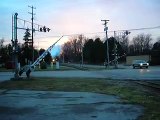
x=32 y=30
x=105 y=29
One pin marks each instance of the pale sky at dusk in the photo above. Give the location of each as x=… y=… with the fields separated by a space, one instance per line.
x=81 y=16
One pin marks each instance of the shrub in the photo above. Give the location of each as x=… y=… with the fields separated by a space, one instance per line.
x=43 y=65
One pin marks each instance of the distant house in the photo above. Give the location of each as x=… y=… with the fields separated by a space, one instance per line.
x=129 y=59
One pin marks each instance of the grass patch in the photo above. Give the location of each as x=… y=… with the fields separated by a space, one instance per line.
x=49 y=68
x=6 y=70
x=127 y=90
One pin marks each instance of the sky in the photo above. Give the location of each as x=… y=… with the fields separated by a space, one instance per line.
x=79 y=17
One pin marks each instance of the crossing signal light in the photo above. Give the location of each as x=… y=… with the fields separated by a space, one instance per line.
x=40 y=29
x=48 y=29
x=44 y=29
x=127 y=32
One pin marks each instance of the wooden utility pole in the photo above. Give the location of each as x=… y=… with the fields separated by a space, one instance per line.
x=105 y=29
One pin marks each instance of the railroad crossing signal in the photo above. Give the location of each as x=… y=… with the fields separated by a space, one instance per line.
x=44 y=29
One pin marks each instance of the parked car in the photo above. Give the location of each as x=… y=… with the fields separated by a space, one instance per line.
x=140 y=64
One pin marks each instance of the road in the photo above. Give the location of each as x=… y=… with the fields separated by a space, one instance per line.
x=153 y=73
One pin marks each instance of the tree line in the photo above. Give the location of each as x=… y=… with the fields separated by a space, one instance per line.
x=94 y=50
x=24 y=52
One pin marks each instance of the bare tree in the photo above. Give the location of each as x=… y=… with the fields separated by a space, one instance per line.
x=147 y=42
x=142 y=43
x=72 y=50
x=124 y=42
x=67 y=51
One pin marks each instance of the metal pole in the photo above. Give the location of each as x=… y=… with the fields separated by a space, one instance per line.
x=12 y=27
x=12 y=40
x=16 y=46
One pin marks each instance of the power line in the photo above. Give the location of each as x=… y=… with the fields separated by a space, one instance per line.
x=67 y=35
x=26 y=21
x=135 y=29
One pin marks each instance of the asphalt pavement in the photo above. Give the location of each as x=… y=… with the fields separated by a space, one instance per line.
x=129 y=74
x=51 y=105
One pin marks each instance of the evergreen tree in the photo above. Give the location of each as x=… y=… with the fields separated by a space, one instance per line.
x=26 y=51
x=26 y=38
